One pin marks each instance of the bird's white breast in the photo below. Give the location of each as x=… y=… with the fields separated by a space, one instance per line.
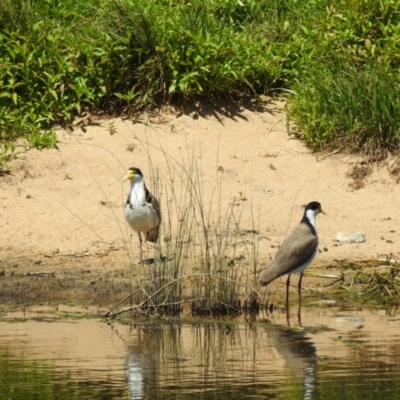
x=141 y=217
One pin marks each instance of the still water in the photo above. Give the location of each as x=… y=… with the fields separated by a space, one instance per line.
x=334 y=354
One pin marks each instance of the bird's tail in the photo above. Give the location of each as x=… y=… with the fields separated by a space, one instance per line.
x=264 y=279
x=152 y=235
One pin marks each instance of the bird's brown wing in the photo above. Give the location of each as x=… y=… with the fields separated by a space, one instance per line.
x=294 y=252
x=152 y=235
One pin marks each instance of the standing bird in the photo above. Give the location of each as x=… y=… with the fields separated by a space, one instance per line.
x=142 y=209
x=297 y=251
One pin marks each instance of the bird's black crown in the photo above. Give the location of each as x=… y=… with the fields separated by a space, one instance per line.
x=137 y=171
x=314 y=205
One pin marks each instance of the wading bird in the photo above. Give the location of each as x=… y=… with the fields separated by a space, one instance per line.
x=297 y=251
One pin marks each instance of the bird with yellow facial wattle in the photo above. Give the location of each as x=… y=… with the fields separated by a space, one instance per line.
x=142 y=209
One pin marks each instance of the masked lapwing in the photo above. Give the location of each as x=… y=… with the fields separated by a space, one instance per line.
x=142 y=209
x=297 y=251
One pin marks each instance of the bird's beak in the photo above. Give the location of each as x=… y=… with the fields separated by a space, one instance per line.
x=322 y=211
x=129 y=175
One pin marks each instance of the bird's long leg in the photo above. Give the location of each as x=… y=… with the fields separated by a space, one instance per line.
x=299 y=287
x=287 y=291
x=155 y=251
x=299 y=315
x=141 y=250
x=287 y=300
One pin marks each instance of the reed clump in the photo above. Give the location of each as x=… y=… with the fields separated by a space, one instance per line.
x=203 y=259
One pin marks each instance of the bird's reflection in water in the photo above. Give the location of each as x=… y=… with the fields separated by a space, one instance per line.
x=141 y=361
x=299 y=353
x=166 y=359
x=288 y=314
x=134 y=376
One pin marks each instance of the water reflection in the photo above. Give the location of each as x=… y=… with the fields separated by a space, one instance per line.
x=141 y=361
x=299 y=353
x=134 y=375
x=218 y=358
x=336 y=354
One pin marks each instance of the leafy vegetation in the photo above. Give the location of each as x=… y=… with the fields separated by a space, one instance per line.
x=339 y=62
x=347 y=97
x=350 y=109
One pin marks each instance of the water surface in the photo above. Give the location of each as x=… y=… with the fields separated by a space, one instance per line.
x=334 y=354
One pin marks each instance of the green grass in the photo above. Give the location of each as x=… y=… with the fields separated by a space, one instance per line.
x=59 y=58
x=347 y=97
x=350 y=109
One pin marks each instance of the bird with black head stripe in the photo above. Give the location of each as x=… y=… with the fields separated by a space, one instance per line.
x=142 y=209
x=297 y=251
